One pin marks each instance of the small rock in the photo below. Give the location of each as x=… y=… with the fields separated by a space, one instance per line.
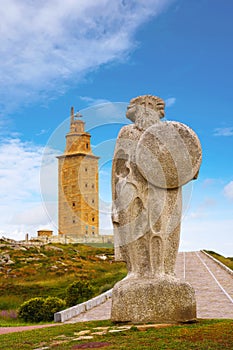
x=9 y=262
x=52 y=247
x=102 y=328
x=99 y=333
x=124 y=327
x=101 y=257
x=83 y=337
x=87 y=331
x=116 y=330
x=144 y=327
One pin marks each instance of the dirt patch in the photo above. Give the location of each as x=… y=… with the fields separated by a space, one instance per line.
x=92 y=345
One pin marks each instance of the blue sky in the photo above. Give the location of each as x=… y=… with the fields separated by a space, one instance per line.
x=83 y=53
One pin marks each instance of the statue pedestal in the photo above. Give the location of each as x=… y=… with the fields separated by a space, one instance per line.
x=163 y=299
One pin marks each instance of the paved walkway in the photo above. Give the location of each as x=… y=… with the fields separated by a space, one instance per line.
x=5 y=330
x=213 y=286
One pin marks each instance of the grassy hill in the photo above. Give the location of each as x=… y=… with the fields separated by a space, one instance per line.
x=30 y=271
x=226 y=261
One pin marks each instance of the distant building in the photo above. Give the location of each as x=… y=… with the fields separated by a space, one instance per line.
x=43 y=233
x=78 y=190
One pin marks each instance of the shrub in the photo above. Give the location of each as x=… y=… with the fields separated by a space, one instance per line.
x=77 y=292
x=32 y=310
x=52 y=305
x=106 y=287
x=40 y=309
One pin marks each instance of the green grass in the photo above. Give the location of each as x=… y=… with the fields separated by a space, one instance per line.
x=100 y=245
x=203 y=335
x=47 y=271
x=226 y=261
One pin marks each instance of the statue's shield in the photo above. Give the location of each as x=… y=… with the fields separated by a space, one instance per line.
x=168 y=154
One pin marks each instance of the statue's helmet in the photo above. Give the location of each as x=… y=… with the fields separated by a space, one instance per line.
x=148 y=102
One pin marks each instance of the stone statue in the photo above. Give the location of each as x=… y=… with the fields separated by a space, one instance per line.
x=152 y=160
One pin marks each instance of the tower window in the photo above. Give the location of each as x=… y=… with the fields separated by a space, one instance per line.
x=87 y=146
x=93 y=201
x=93 y=219
x=86 y=185
x=73 y=204
x=73 y=221
x=86 y=169
x=92 y=186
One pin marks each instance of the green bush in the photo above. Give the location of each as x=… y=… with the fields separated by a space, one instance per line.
x=40 y=309
x=106 y=287
x=77 y=292
x=32 y=310
x=52 y=305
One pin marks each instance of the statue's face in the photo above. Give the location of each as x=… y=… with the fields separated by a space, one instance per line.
x=131 y=112
x=135 y=109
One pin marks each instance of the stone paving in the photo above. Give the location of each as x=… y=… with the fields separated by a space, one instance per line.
x=213 y=286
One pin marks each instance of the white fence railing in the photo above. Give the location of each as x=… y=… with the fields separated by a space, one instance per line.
x=76 y=310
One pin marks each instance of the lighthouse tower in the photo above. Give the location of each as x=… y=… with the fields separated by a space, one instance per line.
x=78 y=192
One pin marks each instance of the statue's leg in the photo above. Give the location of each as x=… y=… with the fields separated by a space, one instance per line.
x=171 y=251
x=139 y=256
x=174 y=212
x=156 y=254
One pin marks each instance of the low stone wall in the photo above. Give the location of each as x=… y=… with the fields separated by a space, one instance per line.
x=219 y=263
x=76 y=310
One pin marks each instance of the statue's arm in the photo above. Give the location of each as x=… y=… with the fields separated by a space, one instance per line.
x=123 y=134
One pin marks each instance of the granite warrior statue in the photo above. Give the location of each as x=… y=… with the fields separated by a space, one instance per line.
x=153 y=159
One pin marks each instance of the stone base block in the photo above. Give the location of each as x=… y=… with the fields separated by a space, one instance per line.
x=162 y=300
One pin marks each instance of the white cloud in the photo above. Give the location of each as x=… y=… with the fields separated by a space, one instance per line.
x=19 y=168
x=228 y=190
x=46 y=44
x=203 y=209
x=93 y=101
x=215 y=234
x=208 y=182
x=21 y=209
x=169 y=102
x=42 y=132
x=223 y=131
